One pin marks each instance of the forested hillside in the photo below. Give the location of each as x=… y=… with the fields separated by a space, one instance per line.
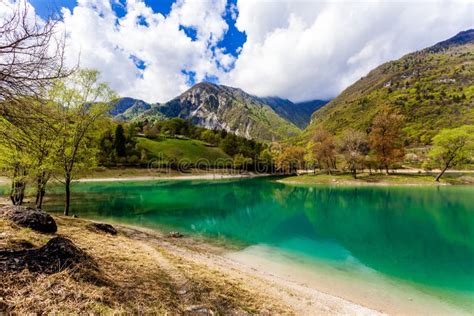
x=432 y=88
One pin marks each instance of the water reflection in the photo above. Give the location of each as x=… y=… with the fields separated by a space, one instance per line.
x=420 y=234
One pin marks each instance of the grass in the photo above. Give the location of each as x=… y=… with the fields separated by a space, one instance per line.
x=140 y=272
x=379 y=179
x=178 y=149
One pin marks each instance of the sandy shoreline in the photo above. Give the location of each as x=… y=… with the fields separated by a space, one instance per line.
x=300 y=298
x=211 y=176
x=377 y=293
x=183 y=177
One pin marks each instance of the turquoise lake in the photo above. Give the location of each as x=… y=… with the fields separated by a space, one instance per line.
x=422 y=236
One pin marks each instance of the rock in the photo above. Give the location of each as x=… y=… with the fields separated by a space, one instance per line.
x=75 y=216
x=182 y=292
x=102 y=227
x=33 y=218
x=198 y=310
x=175 y=235
x=57 y=255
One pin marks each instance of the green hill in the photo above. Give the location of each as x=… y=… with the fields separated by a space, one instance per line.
x=176 y=149
x=433 y=88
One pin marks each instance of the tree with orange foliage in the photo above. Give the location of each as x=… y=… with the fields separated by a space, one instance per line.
x=386 y=138
x=354 y=147
x=289 y=159
x=322 y=149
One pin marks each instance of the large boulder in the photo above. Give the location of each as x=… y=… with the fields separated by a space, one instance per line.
x=33 y=218
x=57 y=255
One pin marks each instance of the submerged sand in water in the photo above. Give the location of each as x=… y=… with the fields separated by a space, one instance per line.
x=362 y=286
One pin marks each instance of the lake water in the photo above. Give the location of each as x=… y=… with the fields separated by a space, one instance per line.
x=419 y=237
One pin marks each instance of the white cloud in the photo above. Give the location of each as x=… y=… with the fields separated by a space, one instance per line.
x=113 y=45
x=300 y=50
x=314 y=49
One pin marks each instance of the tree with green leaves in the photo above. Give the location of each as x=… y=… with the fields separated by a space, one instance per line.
x=28 y=143
x=82 y=101
x=229 y=144
x=240 y=162
x=264 y=162
x=15 y=165
x=452 y=147
x=209 y=136
x=120 y=141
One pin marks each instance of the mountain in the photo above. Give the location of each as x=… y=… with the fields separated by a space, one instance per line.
x=121 y=105
x=297 y=113
x=433 y=88
x=127 y=108
x=222 y=107
x=461 y=38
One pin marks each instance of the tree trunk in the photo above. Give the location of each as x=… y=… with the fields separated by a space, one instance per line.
x=67 y=184
x=40 y=193
x=442 y=172
x=39 y=198
x=386 y=170
x=41 y=182
x=354 y=173
x=17 y=192
x=329 y=170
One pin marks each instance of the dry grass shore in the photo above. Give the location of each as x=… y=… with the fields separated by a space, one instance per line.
x=402 y=179
x=143 y=271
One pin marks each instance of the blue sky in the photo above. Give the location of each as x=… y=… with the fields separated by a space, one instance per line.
x=300 y=50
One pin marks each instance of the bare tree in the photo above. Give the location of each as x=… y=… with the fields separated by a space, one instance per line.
x=354 y=147
x=386 y=138
x=31 y=52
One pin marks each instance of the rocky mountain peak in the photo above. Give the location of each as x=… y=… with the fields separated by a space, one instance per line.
x=462 y=38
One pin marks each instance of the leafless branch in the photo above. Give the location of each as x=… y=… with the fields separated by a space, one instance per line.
x=31 y=52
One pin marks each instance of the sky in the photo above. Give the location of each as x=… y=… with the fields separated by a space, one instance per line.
x=300 y=50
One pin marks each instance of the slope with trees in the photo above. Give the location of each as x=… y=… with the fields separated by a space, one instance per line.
x=432 y=88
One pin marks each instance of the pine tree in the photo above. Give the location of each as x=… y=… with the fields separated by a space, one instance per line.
x=120 y=141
